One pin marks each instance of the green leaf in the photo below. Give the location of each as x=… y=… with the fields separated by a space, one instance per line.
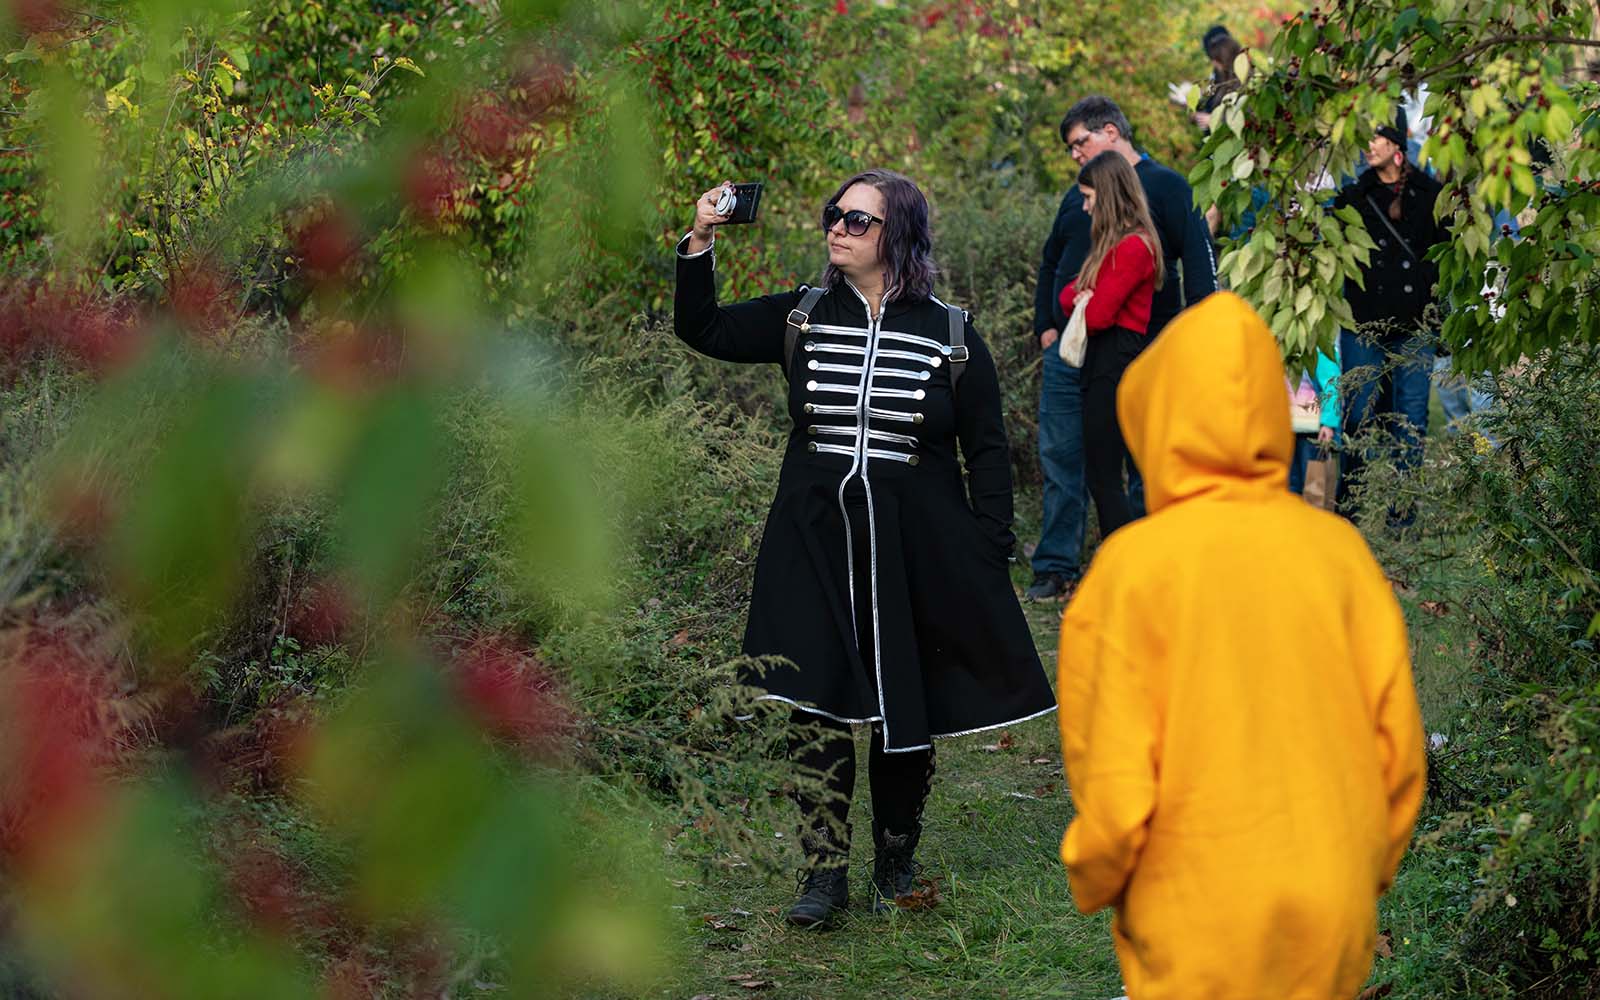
x=1558 y=125
x=177 y=552
x=389 y=486
x=1273 y=289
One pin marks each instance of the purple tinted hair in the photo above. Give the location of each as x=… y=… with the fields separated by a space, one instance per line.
x=906 y=243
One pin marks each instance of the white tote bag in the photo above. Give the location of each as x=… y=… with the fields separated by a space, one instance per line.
x=1075 y=338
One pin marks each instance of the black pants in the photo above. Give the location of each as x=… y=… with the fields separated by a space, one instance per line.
x=1109 y=354
x=900 y=784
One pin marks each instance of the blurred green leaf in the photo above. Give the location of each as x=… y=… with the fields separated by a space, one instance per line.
x=393 y=476
x=178 y=550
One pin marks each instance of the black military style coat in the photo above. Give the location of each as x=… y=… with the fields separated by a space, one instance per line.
x=1398 y=280
x=922 y=632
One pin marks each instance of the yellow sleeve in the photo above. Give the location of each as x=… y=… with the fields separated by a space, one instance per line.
x=1109 y=748
x=1399 y=730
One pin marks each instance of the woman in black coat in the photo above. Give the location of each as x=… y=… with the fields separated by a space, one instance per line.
x=882 y=584
x=1391 y=304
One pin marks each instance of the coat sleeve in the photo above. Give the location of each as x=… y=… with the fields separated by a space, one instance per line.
x=750 y=331
x=1328 y=386
x=1109 y=743
x=1044 y=316
x=1187 y=237
x=1397 y=721
x=981 y=430
x=1130 y=265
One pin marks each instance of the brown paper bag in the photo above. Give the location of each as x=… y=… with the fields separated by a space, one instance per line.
x=1322 y=481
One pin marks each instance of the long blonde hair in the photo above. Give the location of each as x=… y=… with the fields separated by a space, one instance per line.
x=1120 y=211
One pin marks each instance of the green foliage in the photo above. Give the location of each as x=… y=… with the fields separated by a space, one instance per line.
x=1499 y=87
x=1507 y=545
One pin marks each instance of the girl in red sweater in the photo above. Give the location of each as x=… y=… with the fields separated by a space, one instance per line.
x=1123 y=270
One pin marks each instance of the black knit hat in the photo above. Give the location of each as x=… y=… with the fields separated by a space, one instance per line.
x=1395 y=133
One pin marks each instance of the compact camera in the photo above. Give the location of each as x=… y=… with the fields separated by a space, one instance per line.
x=739 y=202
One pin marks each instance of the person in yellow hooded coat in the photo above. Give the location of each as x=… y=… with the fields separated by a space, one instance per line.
x=1238 y=721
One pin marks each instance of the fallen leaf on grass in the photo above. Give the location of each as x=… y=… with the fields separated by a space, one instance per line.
x=680 y=639
x=750 y=981
x=1382 y=948
x=1044 y=790
x=1042 y=760
x=1376 y=992
x=1438 y=609
x=1007 y=742
x=924 y=897
x=718 y=924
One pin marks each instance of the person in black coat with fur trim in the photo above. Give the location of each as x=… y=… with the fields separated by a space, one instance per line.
x=882 y=592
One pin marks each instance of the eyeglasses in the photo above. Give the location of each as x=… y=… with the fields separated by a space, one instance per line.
x=1077 y=144
x=856 y=222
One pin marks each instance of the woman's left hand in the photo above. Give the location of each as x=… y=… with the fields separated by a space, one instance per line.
x=1324 y=435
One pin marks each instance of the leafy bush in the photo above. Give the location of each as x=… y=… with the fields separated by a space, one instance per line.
x=1507 y=545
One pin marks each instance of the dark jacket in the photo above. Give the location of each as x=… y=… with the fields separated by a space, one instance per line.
x=1398 y=281
x=947 y=649
x=1185 y=243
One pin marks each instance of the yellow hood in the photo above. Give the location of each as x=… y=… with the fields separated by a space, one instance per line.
x=1204 y=409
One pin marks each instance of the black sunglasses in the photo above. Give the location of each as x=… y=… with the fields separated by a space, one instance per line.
x=856 y=222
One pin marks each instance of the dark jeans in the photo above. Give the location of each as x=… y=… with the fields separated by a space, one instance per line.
x=1391 y=392
x=1060 y=548
x=900 y=784
x=1105 y=452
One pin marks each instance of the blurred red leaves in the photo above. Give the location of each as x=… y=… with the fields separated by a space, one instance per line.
x=39 y=318
x=487 y=129
x=200 y=297
x=320 y=614
x=57 y=733
x=274 y=893
x=541 y=82
x=430 y=185
x=351 y=359
x=327 y=244
x=261 y=755
x=511 y=694
x=35 y=16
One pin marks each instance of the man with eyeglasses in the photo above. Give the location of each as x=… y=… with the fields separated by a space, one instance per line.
x=1091 y=127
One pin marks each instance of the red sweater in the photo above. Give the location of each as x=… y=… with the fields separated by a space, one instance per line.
x=1123 y=290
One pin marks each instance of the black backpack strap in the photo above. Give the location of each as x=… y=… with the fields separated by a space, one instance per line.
x=958 y=345
x=799 y=322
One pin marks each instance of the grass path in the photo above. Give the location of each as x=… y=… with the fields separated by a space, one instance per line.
x=1005 y=927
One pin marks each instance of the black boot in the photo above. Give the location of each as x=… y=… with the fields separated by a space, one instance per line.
x=823 y=892
x=825 y=881
x=894 y=872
